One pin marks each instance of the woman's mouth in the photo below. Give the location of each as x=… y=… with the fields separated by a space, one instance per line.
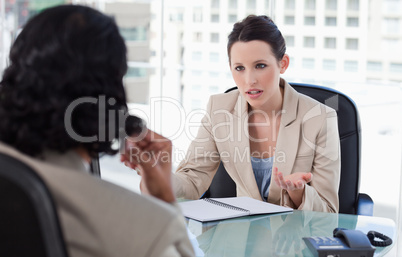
x=254 y=93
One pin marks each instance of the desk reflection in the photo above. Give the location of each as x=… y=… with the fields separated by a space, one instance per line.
x=262 y=235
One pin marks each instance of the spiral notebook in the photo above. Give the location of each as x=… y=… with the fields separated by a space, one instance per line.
x=210 y=209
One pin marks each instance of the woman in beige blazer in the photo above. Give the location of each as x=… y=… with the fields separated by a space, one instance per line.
x=267 y=122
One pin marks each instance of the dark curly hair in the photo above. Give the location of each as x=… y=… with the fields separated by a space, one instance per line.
x=262 y=28
x=64 y=54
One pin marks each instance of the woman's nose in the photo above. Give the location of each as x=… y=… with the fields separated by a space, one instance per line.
x=251 y=79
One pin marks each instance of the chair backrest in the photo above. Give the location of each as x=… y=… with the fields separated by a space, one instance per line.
x=29 y=223
x=350 y=139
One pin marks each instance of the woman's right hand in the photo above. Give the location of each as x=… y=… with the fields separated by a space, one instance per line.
x=152 y=156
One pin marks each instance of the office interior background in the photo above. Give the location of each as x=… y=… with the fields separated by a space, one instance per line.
x=177 y=59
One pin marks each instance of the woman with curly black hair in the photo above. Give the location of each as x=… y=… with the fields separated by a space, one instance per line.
x=51 y=66
x=62 y=102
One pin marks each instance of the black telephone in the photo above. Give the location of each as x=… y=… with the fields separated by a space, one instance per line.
x=345 y=243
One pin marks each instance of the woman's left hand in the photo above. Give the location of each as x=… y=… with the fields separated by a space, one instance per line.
x=294 y=184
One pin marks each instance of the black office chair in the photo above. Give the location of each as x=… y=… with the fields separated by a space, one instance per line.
x=350 y=200
x=29 y=224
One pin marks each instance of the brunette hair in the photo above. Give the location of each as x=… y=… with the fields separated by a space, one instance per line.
x=258 y=28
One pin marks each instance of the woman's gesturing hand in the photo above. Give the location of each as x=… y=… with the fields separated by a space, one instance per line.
x=294 y=184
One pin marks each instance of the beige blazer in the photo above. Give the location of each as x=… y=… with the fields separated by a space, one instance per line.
x=104 y=220
x=308 y=141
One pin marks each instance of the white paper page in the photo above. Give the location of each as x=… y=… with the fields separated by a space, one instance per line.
x=204 y=211
x=253 y=205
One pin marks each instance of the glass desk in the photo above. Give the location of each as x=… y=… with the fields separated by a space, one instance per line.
x=278 y=235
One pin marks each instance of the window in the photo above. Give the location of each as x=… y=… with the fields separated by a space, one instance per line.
x=331 y=4
x=176 y=16
x=330 y=42
x=268 y=4
x=308 y=63
x=197 y=15
x=309 y=42
x=392 y=6
x=374 y=66
x=391 y=25
x=197 y=37
x=196 y=104
x=290 y=41
x=353 y=5
x=196 y=87
x=309 y=4
x=214 y=37
x=292 y=62
x=352 y=22
x=196 y=56
x=215 y=18
x=214 y=57
x=290 y=20
x=214 y=3
x=187 y=63
x=251 y=4
x=290 y=4
x=213 y=74
x=395 y=67
x=135 y=72
x=330 y=21
x=390 y=45
x=232 y=4
x=214 y=89
x=329 y=65
x=309 y=20
x=196 y=73
x=351 y=66
x=134 y=34
x=232 y=18
x=352 y=43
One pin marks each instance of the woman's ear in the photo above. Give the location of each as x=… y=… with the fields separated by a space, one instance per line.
x=284 y=63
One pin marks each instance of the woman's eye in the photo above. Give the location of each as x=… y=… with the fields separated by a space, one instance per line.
x=260 y=66
x=239 y=68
